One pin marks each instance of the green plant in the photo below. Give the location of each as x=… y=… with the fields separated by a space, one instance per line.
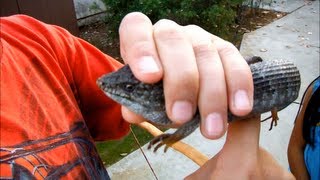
x=112 y=151
x=215 y=16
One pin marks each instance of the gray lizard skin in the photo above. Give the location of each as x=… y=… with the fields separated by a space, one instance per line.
x=276 y=85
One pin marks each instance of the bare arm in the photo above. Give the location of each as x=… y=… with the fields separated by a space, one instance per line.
x=241 y=157
x=297 y=143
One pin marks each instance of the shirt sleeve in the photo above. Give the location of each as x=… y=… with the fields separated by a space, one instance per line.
x=82 y=64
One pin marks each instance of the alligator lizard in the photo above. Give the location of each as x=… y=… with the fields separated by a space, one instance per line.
x=276 y=85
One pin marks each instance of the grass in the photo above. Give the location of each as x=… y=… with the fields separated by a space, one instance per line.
x=112 y=151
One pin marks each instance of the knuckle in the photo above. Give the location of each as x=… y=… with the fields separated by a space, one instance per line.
x=167 y=30
x=213 y=100
x=190 y=73
x=189 y=82
x=196 y=34
x=220 y=92
x=185 y=82
x=229 y=49
x=165 y=22
x=203 y=51
x=193 y=27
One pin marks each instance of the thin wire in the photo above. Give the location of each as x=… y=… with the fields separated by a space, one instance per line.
x=145 y=157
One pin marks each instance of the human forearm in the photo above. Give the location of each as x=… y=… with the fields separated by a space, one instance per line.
x=241 y=147
x=244 y=134
x=241 y=157
x=297 y=143
x=296 y=162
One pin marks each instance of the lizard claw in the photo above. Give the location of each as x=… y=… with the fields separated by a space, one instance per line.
x=169 y=139
x=163 y=139
x=159 y=140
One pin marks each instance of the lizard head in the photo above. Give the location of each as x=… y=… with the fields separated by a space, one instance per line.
x=124 y=88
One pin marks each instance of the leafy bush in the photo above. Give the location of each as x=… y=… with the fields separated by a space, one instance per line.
x=216 y=16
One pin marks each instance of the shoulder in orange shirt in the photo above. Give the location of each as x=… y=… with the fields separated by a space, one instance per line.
x=51 y=108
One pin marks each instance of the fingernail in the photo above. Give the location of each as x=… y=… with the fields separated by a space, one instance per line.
x=241 y=100
x=147 y=64
x=214 y=124
x=182 y=111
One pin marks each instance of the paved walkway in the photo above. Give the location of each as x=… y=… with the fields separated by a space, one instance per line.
x=294 y=37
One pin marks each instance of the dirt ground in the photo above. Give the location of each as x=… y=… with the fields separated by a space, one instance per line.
x=249 y=20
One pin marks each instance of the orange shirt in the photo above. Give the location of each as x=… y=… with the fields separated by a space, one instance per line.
x=51 y=108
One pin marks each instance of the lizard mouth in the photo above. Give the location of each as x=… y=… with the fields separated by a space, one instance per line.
x=115 y=95
x=109 y=90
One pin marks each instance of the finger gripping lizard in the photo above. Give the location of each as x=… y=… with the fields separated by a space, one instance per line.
x=276 y=85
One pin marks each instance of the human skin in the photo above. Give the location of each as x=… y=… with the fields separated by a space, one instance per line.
x=198 y=70
x=297 y=144
x=241 y=157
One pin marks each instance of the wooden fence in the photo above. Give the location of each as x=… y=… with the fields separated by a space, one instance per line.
x=58 y=12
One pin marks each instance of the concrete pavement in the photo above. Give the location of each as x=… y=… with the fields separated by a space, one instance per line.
x=294 y=37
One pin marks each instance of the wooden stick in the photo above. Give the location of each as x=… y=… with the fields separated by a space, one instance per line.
x=183 y=148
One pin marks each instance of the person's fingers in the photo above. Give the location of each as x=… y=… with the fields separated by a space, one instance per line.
x=138 y=49
x=180 y=70
x=148 y=50
x=238 y=77
x=130 y=116
x=212 y=99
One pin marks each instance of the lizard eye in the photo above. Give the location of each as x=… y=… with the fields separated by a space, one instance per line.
x=129 y=87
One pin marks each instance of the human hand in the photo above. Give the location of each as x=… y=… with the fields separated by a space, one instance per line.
x=198 y=70
x=241 y=157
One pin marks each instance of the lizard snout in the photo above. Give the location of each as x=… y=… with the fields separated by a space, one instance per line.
x=100 y=82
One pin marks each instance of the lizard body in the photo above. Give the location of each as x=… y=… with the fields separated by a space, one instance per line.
x=276 y=85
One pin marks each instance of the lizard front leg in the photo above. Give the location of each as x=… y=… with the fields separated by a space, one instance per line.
x=169 y=139
x=275 y=118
